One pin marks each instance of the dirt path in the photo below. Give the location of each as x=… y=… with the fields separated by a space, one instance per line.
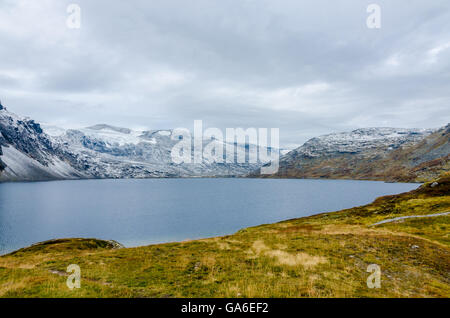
x=409 y=217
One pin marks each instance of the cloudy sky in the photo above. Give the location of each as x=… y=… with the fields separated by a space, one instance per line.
x=306 y=67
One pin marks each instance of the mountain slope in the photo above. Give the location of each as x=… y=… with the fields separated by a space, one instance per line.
x=28 y=154
x=375 y=154
x=423 y=161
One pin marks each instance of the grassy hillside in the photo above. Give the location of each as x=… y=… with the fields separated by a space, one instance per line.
x=324 y=255
x=419 y=162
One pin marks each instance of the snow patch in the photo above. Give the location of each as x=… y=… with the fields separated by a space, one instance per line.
x=164 y=132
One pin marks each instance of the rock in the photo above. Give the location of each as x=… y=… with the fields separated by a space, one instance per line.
x=434 y=184
x=115 y=244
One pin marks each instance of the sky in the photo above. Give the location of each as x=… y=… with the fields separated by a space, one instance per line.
x=305 y=67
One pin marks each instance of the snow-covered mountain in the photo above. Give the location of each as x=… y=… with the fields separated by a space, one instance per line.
x=124 y=153
x=32 y=152
x=390 y=154
x=358 y=141
x=29 y=151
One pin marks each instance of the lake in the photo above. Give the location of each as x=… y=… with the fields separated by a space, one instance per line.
x=143 y=211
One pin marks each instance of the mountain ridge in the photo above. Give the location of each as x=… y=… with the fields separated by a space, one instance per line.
x=387 y=154
x=29 y=152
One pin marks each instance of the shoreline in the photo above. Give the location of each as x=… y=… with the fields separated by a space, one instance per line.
x=323 y=255
x=190 y=239
x=209 y=177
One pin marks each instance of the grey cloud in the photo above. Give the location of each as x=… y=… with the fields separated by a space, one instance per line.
x=162 y=64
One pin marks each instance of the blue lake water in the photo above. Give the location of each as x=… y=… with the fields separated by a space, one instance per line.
x=144 y=211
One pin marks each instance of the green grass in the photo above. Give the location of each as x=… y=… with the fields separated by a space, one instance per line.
x=324 y=255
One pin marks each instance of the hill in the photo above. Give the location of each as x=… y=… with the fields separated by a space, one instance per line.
x=371 y=154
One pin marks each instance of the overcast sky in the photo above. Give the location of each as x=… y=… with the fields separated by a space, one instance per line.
x=306 y=67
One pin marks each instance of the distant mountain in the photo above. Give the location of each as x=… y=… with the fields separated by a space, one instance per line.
x=387 y=154
x=31 y=152
x=113 y=152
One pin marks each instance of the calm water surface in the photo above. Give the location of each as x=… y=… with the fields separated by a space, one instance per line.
x=139 y=212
